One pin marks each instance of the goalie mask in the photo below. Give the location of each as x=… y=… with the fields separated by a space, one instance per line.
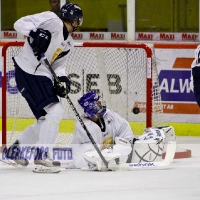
x=70 y=13
x=93 y=104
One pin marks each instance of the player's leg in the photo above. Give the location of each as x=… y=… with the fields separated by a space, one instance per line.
x=31 y=134
x=48 y=133
x=28 y=138
x=38 y=92
x=51 y=109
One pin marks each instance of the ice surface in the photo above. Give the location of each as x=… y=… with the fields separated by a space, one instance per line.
x=180 y=182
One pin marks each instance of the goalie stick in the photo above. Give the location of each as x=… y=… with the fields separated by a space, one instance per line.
x=75 y=111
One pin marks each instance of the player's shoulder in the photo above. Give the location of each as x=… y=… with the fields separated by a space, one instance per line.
x=113 y=116
x=45 y=17
x=50 y=21
x=111 y=113
x=92 y=127
x=49 y=14
x=88 y=123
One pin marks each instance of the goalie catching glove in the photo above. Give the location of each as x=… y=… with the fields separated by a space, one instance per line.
x=62 y=88
x=41 y=41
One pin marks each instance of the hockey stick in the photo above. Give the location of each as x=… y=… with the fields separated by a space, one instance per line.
x=75 y=111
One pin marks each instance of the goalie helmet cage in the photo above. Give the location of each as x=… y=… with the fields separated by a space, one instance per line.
x=125 y=74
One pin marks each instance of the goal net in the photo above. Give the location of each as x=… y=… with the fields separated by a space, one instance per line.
x=125 y=74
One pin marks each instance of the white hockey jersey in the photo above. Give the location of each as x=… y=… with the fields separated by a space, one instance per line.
x=115 y=126
x=27 y=61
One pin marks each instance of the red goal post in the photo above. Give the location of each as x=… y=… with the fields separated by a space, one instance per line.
x=124 y=73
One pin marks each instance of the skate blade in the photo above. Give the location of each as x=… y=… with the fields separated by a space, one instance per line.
x=8 y=162
x=47 y=170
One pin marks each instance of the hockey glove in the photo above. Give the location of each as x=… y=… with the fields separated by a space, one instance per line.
x=62 y=89
x=41 y=41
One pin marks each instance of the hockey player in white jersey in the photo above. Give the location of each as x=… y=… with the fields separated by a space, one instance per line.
x=106 y=127
x=45 y=33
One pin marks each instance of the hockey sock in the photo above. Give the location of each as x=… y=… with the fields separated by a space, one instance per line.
x=50 y=126
x=31 y=134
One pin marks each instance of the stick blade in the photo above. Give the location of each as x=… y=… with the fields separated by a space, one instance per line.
x=46 y=170
x=8 y=162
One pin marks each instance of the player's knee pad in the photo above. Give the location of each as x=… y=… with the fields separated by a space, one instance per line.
x=55 y=112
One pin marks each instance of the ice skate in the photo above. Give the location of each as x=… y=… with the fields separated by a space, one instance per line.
x=43 y=158
x=13 y=153
x=44 y=163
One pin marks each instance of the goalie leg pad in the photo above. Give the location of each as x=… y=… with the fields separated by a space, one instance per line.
x=147 y=151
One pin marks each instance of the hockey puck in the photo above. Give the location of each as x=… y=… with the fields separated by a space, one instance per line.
x=136 y=110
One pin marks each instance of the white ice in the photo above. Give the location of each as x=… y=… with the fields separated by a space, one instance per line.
x=180 y=182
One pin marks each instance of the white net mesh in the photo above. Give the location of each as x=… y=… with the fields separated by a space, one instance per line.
x=117 y=73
